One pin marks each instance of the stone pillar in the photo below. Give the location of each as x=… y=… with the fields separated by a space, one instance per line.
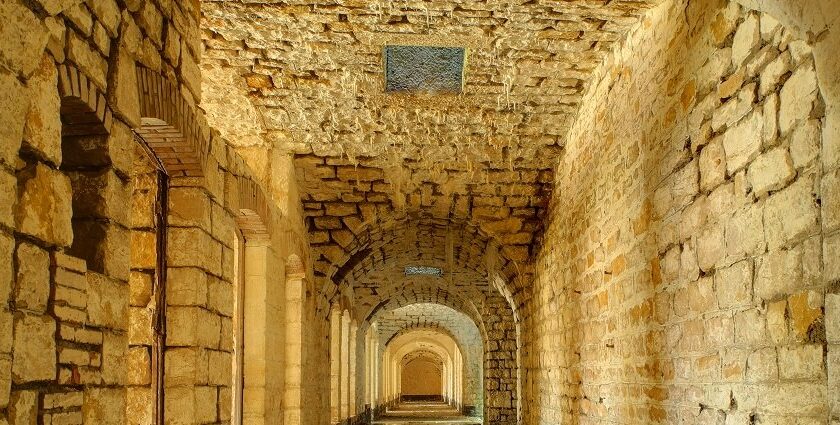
x=292 y=399
x=335 y=365
x=345 y=366
x=354 y=329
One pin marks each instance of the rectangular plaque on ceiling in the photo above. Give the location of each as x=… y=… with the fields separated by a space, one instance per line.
x=424 y=69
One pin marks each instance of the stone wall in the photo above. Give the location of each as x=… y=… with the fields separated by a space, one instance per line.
x=79 y=247
x=688 y=273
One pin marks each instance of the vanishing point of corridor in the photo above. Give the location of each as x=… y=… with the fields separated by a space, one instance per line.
x=355 y=212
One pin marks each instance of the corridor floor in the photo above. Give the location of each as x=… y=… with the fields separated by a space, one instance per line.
x=408 y=413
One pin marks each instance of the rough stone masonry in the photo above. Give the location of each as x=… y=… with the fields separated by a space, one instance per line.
x=208 y=208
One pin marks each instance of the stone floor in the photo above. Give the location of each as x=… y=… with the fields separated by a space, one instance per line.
x=408 y=413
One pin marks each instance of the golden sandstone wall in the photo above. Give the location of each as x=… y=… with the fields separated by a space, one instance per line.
x=79 y=256
x=689 y=272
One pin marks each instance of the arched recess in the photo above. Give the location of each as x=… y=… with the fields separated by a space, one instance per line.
x=176 y=135
x=422 y=376
x=434 y=341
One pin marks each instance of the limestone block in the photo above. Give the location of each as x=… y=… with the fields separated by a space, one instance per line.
x=793 y=399
x=186 y=286
x=831 y=200
x=138 y=365
x=7 y=248
x=192 y=326
x=90 y=62
x=771 y=171
x=220 y=367
x=831 y=139
x=710 y=247
x=778 y=273
x=749 y=327
x=107 y=302
x=5 y=379
x=114 y=354
x=736 y=108
x=191 y=74
x=24 y=39
x=742 y=144
x=770 y=133
x=108 y=13
x=180 y=407
x=745 y=233
x=797 y=98
x=172 y=50
x=206 y=400
x=121 y=149
x=23 y=407
x=733 y=284
x=791 y=215
x=747 y=40
x=832 y=318
x=801 y=362
x=831 y=246
x=104 y=405
x=139 y=405
x=189 y=206
x=44 y=208
x=772 y=74
x=224 y=225
x=143 y=250
x=34 y=355
x=140 y=326
x=712 y=165
x=80 y=16
x=122 y=91
x=140 y=289
x=805 y=143
x=151 y=20
x=220 y=296
x=14 y=103
x=805 y=312
x=762 y=365
x=32 y=288
x=777 y=327
x=42 y=131
x=101 y=39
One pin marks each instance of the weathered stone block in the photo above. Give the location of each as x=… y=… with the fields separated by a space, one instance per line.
x=742 y=144
x=771 y=171
x=7 y=247
x=114 y=354
x=139 y=405
x=45 y=207
x=791 y=215
x=189 y=207
x=90 y=62
x=101 y=194
x=25 y=38
x=733 y=284
x=831 y=200
x=712 y=165
x=192 y=326
x=122 y=92
x=32 y=289
x=23 y=407
x=747 y=40
x=104 y=405
x=801 y=362
x=143 y=250
x=140 y=326
x=220 y=296
x=745 y=233
x=762 y=365
x=107 y=302
x=778 y=273
x=186 y=286
x=139 y=366
x=42 y=131
x=14 y=103
x=797 y=98
x=34 y=353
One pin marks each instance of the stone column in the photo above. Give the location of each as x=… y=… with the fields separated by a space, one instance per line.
x=345 y=366
x=292 y=399
x=354 y=329
x=335 y=365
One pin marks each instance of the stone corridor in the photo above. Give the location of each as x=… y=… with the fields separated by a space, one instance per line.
x=346 y=212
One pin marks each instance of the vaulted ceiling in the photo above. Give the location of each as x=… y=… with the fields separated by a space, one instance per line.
x=307 y=78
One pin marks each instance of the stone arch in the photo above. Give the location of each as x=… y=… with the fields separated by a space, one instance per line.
x=84 y=108
x=171 y=127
